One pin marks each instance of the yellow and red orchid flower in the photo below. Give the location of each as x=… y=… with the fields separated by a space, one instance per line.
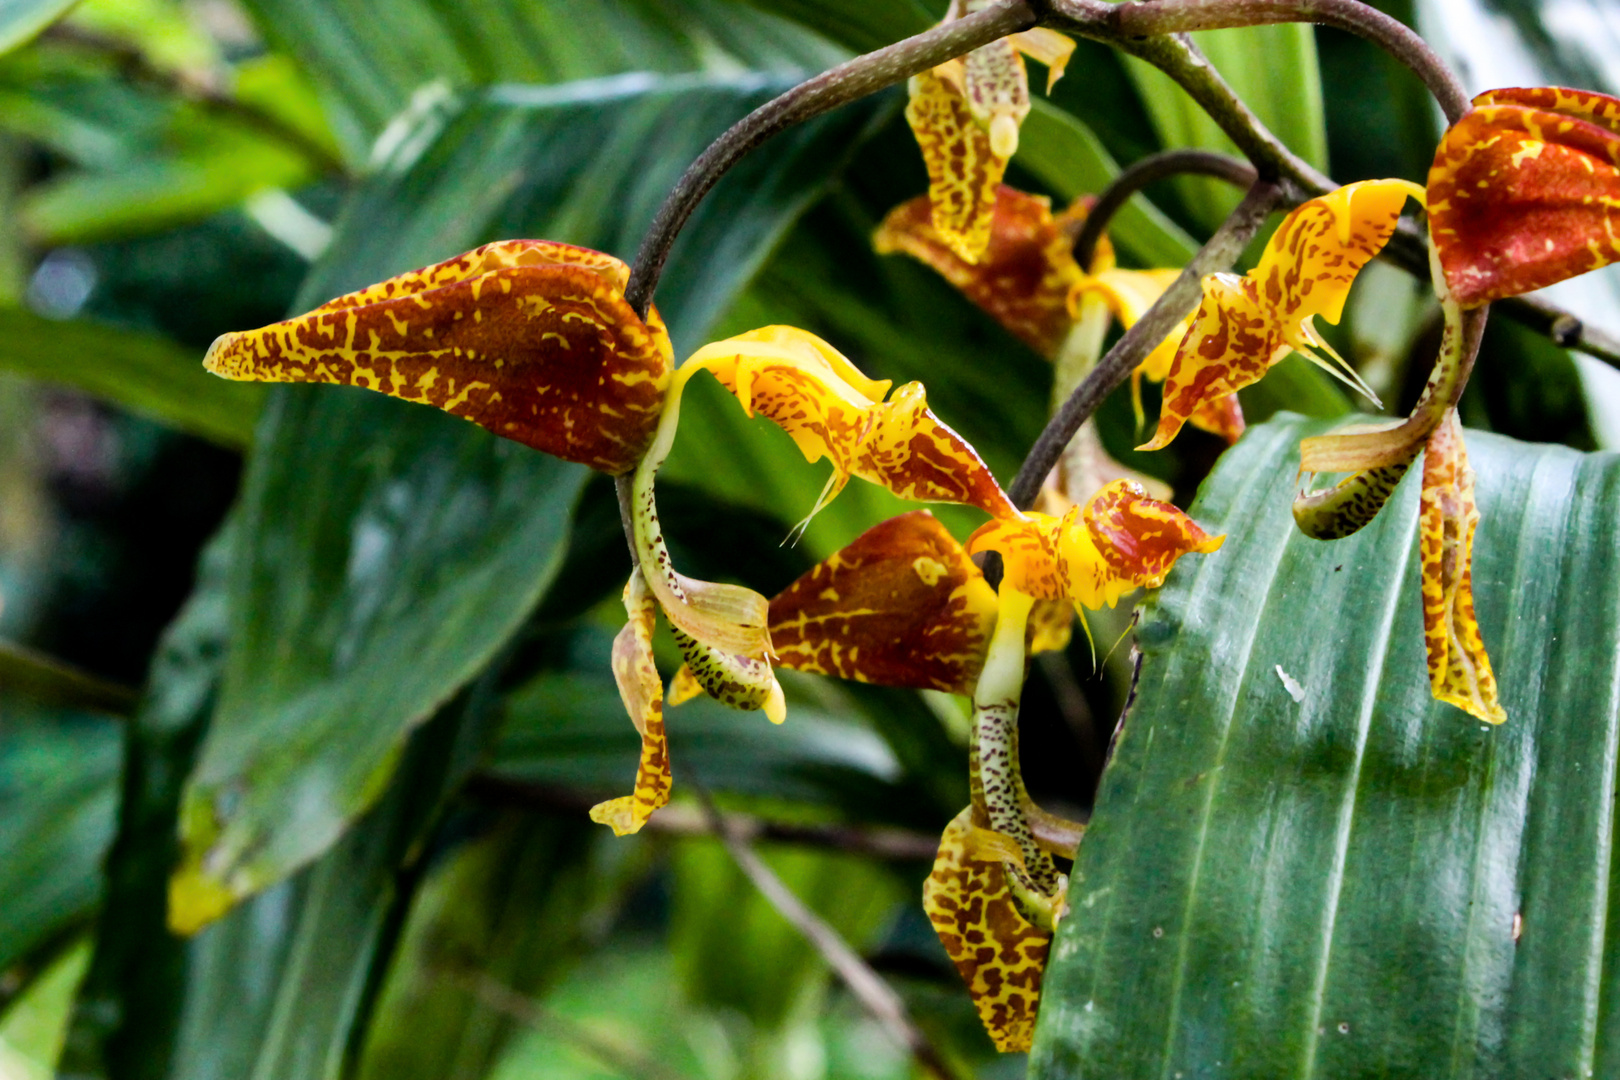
x=1245 y=325
x=528 y=338
x=1525 y=191
x=966 y=114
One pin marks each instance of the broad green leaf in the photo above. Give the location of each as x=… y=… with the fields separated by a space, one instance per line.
x=1362 y=881
x=371 y=60
x=1274 y=70
x=20 y=20
x=58 y=797
x=283 y=986
x=589 y=163
x=33 y=1028
x=129 y=1006
x=387 y=551
x=51 y=682
x=141 y=372
x=1064 y=154
x=504 y=907
x=860 y=25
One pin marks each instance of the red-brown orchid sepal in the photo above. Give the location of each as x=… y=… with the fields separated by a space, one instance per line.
x=1245 y=325
x=965 y=114
x=1524 y=191
x=528 y=338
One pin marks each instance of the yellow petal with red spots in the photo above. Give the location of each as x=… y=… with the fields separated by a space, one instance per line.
x=1525 y=191
x=1459 y=669
x=643 y=696
x=996 y=89
x=1046 y=47
x=1246 y=324
x=1093 y=555
x=812 y=392
x=1026 y=273
x=963 y=170
x=999 y=954
x=901 y=606
x=530 y=339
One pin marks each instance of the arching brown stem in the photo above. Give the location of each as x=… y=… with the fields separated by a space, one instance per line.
x=1148 y=170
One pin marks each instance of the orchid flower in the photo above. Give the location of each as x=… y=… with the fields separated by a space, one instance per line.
x=966 y=114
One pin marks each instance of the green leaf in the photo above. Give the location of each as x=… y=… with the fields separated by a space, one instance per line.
x=1064 y=154
x=371 y=60
x=33 y=1027
x=21 y=20
x=1362 y=882
x=141 y=372
x=861 y=25
x=387 y=552
x=1274 y=70
x=58 y=796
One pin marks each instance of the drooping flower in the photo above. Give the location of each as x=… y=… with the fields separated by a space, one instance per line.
x=1524 y=191
x=966 y=114
x=1245 y=325
x=528 y=338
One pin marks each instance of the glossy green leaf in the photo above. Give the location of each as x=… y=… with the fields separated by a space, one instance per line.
x=20 y=20
x=387 y=552
x=144 y=373
x=33 y=1027
x=371 y=60
x=58 y=796
x=861 y=25
x=283 y=987
x=1362 y=881
x=1274 y=70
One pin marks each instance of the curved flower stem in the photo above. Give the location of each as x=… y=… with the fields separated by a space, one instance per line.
x=1180 y=298
x=1148 y=170
x=838 y=86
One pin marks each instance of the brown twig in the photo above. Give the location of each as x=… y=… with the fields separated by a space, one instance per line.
x=1151 y=169
x=1113 y=369
x=901 y=845
x=868 y=986
x=837 y=86
x=137 y=67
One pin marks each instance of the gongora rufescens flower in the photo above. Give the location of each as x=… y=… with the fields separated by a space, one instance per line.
x=965 y=114
x=1245 y=325
x=528 y=338
x=1524 y=191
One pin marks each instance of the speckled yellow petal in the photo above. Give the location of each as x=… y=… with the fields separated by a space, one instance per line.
x=1119 y=541
x=901 y=606
x=530 y=339
x=1246 y=324
x=818 y=397
x=999 y=954
x=963 y=170
x=1459 y=669
x=1026 y=274
x=643 y=695
x=1524 y=191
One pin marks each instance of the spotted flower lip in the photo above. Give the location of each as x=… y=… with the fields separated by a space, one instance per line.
x=530 y=339
x=1245 y=325
x=966 y=114
x=1524 y=191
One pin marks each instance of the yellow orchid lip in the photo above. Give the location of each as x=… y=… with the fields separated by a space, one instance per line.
x=528 y=338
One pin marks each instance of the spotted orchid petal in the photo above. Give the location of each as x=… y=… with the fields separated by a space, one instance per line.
x=1119 y=541
x=530 y=339
x=1000 y=954
x=812 y=392
x=1524 y=191
x=965 y=114
x=643 y=696
x=901 y=606
x=1244 y=325
x=1026 y=275
x=1459 y=669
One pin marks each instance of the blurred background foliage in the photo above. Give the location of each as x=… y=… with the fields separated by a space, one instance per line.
x=371 y=638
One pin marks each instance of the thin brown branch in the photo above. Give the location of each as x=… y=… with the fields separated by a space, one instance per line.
x=1151 y=169
x=837 y=86
x=1178 y=300
x=138 y=68
x=901 y=845
x=868 y=986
